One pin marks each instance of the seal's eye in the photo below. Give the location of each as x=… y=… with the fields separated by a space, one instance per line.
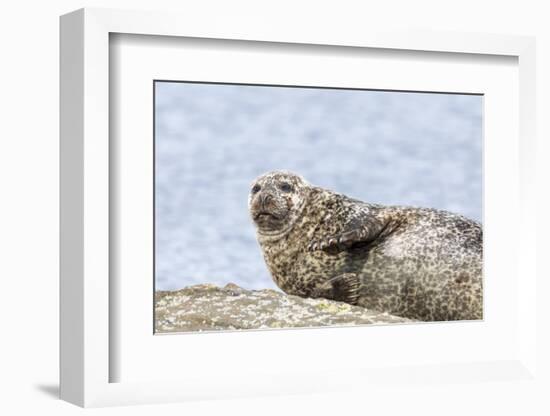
x=256 y=188
x=285 y=187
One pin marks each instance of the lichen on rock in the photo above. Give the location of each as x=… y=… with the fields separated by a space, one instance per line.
x=207 y=307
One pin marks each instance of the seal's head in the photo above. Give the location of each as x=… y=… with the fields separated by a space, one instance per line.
x=276 y=200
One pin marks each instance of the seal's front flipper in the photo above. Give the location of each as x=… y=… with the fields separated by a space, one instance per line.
x=362 y=229
x=344 y=239
x=344 y=288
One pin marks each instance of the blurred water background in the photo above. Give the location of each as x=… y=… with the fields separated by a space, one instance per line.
x=212 y=140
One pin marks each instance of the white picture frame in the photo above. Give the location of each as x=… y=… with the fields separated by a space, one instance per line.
x=87 y=304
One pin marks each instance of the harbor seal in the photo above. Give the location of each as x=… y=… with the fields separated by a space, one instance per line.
x=418 y=263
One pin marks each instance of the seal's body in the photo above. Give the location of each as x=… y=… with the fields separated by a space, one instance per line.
x=418 y=263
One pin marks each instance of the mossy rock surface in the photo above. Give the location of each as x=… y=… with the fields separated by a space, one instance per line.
x=210 y=308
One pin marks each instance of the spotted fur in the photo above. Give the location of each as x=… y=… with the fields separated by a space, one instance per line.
x=418 y=263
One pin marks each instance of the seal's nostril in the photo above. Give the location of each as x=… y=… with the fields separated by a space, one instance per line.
x=265 y=198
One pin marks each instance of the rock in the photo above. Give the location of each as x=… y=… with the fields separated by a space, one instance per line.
x=208 y=307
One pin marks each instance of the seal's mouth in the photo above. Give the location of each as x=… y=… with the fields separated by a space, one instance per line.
x=265 y=215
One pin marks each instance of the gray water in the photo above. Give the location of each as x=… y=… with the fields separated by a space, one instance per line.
x=213 y=140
